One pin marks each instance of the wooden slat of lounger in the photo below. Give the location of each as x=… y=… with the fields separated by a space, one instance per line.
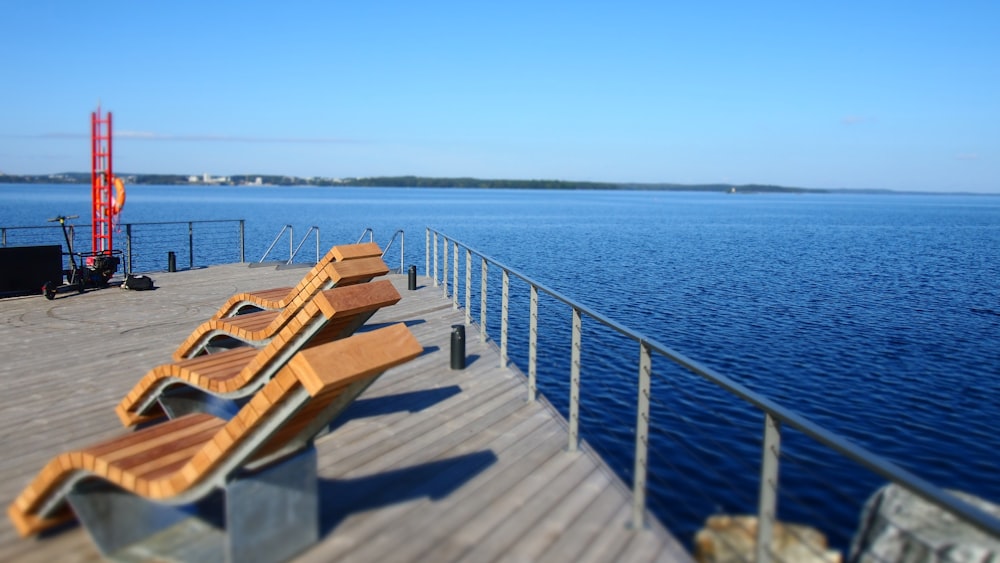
x=218 y=373
x=52 y=472
x=228 y=371
x=142 y=468
x=252 y=321
x=276 y=294
x=353 y=299
x=258 y=327
x=335 y=254
x=147 y=462
x=299 y=422
x=249 y=327
x=336 y=328
x=221 y=372
x=121 y=466
x=317 y=370
x=359 y=270
x=202 y=364
x=362 y=355
x=334 y=374
x=208 y=367
x=349 y=272
x=354 y=251
x=277 y=298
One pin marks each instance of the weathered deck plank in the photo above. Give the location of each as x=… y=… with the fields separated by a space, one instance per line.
x=428 y=464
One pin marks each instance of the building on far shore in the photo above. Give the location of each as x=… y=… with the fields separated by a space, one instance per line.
x=208 y=179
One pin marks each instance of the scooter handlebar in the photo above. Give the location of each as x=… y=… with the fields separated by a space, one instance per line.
x=62 y=218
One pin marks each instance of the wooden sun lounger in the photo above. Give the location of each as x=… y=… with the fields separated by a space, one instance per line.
x=181 y=461
x=280 y=297
x=332 y=314
x=258 y=328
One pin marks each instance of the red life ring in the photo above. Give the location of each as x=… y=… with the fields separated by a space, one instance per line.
x=119 y=202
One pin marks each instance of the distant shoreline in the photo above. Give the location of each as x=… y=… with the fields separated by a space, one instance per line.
x=395 y=182
x=430 y=182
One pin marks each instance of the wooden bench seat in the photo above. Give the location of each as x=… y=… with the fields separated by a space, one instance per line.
x=330 y=315
x=256 y=329
x=280 y=297
x=184 y=459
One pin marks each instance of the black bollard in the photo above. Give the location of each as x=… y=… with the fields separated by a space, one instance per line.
x=412 y=278
x=457 y=346
x=171 y=261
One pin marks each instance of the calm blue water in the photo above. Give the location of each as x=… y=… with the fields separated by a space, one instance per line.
x=877 y=316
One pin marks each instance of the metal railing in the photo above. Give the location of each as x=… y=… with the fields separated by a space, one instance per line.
x=669 y=387
x=293 y=252
x=146 y=245
x=291 y=234
x=217 y=241
x=305 y=237
x=402 y=248
x=370 y=233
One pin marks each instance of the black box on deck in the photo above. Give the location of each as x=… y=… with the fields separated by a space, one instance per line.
x=25 y=269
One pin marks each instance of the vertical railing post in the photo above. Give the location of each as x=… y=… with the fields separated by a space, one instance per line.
x=435 y=259
x=482 y=304
x=128 y=248
x=574 y=382
x=454 y=277
x=191 y=244
x=768 y=498
x=533 y=345
x=291 y=243
x=468 y=286
x=4 y=236
x=641 y=438
x=243 y=241
x=444 y=268
x=427 y=252
x=317 y=247
x=402 y=250
x=504 y=303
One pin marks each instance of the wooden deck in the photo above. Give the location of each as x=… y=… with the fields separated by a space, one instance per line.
x=430 y=464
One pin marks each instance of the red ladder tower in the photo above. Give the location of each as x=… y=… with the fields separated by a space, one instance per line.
x=101 y=179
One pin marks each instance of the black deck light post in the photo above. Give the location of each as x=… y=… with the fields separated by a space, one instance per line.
x=412 y=278
x=457 y=346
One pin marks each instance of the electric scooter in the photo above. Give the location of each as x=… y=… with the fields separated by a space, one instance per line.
x=102 y=265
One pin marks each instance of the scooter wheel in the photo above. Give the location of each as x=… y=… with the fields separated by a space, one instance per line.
x=49 y=290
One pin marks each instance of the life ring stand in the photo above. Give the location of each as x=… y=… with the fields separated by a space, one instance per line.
x=119 y=202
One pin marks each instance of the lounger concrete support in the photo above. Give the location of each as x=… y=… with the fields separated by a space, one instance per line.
x=268 y=515
x=280 y=297
x=257 y=329
x=330 y=315
x=183 y=460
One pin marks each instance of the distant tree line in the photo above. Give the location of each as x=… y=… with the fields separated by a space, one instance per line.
x=403 y=182
x=423 y=182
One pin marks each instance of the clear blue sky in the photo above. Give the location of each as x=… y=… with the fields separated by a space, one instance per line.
x=895 y=95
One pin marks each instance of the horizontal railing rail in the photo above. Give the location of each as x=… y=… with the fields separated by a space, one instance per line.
x=778 y=421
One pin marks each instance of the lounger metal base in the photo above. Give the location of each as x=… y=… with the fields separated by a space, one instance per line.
x=179 y=402
x=268 y=515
